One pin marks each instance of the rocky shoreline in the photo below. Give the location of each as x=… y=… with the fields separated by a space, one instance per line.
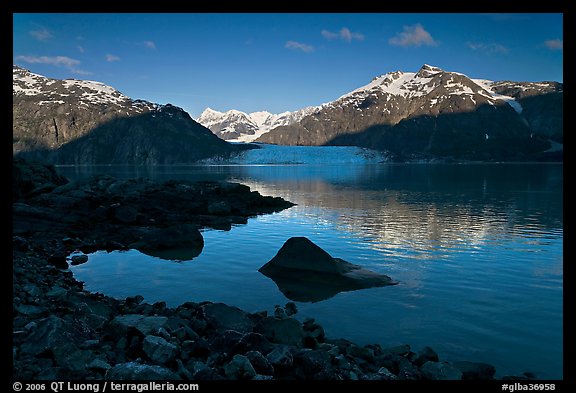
x=63 y=332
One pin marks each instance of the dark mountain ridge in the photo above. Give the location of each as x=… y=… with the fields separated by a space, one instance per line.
x=85 y=122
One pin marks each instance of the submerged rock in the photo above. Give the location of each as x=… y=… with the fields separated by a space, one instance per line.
x=440 y=371
x=178 y=242
x=304 y=272
x=475 y=370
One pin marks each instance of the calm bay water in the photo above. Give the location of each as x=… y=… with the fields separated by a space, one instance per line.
x=477 y=250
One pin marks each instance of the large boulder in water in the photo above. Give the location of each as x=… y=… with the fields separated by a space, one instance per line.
x=305 y=272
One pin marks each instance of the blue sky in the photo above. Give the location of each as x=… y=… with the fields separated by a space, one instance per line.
x=279 y=62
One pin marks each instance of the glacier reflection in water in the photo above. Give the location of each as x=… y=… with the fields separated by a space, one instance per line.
x=477 y=250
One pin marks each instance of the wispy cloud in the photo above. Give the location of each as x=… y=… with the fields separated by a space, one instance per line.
x=110 y=58
x=148 y=44
x=344 y=34
x=556 y=44
x=487 y=48
x=41 y=35
x=80 y=49
x=294 y=45
x=414 y=35
x=58 y=61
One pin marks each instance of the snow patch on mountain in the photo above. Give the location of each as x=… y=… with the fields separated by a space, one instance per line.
x=237 y=126
x=80 y=92
x=423 y=83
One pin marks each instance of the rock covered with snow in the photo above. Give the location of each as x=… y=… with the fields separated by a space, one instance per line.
x=85 y=122
x=237 y=126
x=433 y=112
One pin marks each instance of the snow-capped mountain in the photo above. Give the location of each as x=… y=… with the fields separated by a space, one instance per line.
x=237 y=126
x=434 y=112
x=87 y=122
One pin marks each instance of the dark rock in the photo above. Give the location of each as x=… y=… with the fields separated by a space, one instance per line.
x=286 y=331
x=20 y=244
x=385 y=374
x=178 y=242
x=279 y=312
x=159 y=307
x=134 y=300
x=440 y=371
x=260 y=377
x=136 y=371
x=57 y=292
x=144 y=324
x=239 y=368
x=183 y=371
x=362 y=353
x=401 y=350
x=31 y=310
x=196 y=348
x=309 y=342
x=526 y=376
x=125 y=214
x=194 y=366
x=226 y=341
x=281 y=357
x=223 y=317
x=29 y=176
x=529 y=375
x=260 y=363
x=70 y=357
x=58 y=373
x=253 y=342
x=58 y=260
x=79 y=259
x=291 y=308
x=83 y=315
x=95 y=303
x=304 y=272
x=159 y=350
x=185 y=333
x=474 y=370
x=425 y=355
x=32 y=290
x=407 y=370
x=89 y=344
x=50 y=333
x=314 y=330
x=206 y=374
x=313 y=362
x=98 y=365
x=219 y=208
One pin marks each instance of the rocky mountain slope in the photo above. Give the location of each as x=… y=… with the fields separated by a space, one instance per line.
x=436 y=113
x=86 y=122
x=237 y=126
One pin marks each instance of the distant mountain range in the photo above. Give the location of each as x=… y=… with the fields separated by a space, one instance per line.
x=85 y=122
x=425 y=114
x=237 y=126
